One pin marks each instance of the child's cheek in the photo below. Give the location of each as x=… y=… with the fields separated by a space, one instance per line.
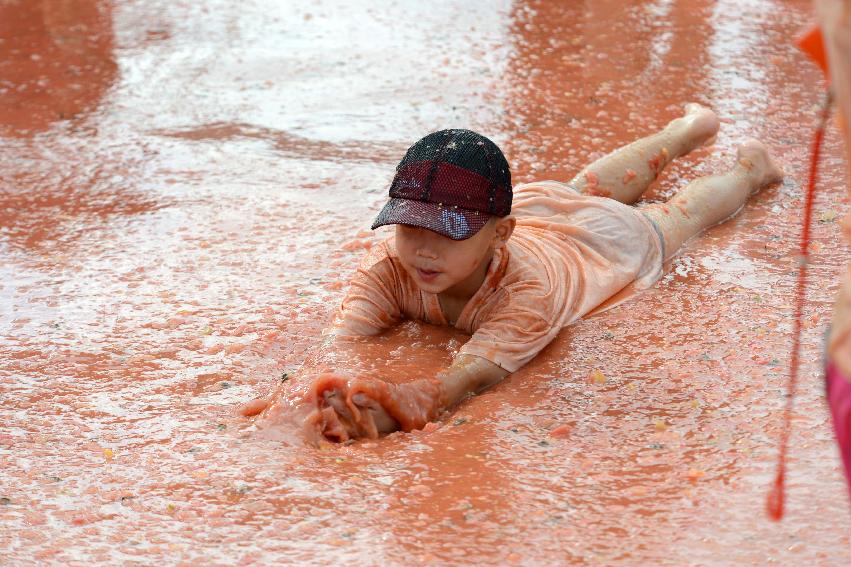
x=472 y=264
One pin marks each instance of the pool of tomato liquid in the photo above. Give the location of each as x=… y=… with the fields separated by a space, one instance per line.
x=186 y=187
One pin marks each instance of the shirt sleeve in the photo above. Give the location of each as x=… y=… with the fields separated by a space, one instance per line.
x=371 y=304
x=515 y=332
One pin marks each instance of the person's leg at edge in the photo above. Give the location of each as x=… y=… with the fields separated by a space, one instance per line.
x=626 y=173
x=709 y=200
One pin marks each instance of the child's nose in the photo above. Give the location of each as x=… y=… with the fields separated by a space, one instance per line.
x=423 y=241
x=426 y=252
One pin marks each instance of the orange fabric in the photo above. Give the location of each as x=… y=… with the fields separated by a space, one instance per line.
x=812 y=43
x=569 y=253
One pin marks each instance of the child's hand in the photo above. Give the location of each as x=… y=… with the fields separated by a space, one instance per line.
x=407 y=406
x=335 y=418
x=368 y=407
x=354 y=415
x=382 y=421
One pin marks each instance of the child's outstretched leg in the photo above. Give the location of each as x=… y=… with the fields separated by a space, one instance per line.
x=709 y=200
x=626 y=173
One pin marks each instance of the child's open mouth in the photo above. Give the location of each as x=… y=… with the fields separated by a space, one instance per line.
x=427 y=275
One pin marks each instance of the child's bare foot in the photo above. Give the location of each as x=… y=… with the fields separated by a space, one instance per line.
x=754 y=159
x=698 y=126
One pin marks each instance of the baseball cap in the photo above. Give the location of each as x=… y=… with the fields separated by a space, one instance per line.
x=450 y=182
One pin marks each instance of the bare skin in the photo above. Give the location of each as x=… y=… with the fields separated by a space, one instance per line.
x=467 y=375
x=710 y=200
x=623 y=175
x=626 y=173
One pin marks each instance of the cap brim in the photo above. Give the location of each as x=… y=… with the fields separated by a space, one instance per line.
x=452 y=222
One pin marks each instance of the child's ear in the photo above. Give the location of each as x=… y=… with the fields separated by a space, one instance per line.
x=503 y=229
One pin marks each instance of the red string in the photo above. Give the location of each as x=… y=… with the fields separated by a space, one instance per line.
x=776 y=497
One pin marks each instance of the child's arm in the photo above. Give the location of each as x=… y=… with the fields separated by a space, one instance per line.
x=411 y=405
x=468 y=374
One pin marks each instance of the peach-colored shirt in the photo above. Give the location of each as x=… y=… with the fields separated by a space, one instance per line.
x=569 y=253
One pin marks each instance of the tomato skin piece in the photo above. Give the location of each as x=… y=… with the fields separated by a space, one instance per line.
x=561 y=432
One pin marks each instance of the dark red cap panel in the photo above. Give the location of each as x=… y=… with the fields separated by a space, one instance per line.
x=449 y=184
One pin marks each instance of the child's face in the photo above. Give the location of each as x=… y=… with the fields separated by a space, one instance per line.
x=437 y=263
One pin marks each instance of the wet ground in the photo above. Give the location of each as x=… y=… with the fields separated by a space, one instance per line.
x=184 y=187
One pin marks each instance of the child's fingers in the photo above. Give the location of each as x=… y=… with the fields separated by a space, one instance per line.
x=373 y=420
x=364 y=401
x=334 y=427
x=327 y=386
x=336 y=400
